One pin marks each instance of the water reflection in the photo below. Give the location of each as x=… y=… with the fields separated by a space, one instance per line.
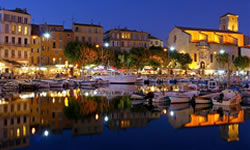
x=89 y=111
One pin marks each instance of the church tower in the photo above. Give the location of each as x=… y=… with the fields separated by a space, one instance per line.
x=229 y=22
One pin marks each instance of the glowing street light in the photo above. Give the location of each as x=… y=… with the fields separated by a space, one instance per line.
x=46 y=133
x=46 y=35
x=106 y=118
x=222 y=52
x=165 y=49
x=106 y=44
x=172 y=48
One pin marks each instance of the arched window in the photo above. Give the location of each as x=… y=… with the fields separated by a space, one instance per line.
x=175 y=38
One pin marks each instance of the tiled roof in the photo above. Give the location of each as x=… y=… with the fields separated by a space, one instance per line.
x=90 y=25
x=18 y=10
x=204 y=29
x=228 y=14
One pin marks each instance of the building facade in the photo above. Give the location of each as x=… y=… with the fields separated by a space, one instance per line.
x=52 y=48
x=125 y=39
x=156 y=42
x=204 y=45
x=88 y=33
x=15 y=31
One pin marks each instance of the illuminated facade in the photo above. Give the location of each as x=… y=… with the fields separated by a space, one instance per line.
x=204 y=44
x=15 y=28
x=88 y=33
x=125 y=39
x=156 y=42
x=53 y=47
x=14 y=123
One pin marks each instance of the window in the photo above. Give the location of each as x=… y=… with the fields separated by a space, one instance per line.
x=6 y=17
x=54 y=44
x=13 y=53
x=25 y=20
x=211 y=58
x=13 y=29
x=54 y=36
x=68 y=35
x=6 y=53
x=26 y=41
x=175 y=38
x=31 y=50
x=13 y=40
x=19 y=41
x=25 y=30
x=37 y=50
x=83 y=39
x=25 y=54
x=60 y=45
x=195 y=57
x=38 y=59
x=6 y=28
x=97 y=30
x=60 y=36
x=125 y=35
x=89 y=39
x=60 y=60
x=77 y=38
x=19 y=19
x=34 y=41
x=96 y=39
x=54 y=60
x=6 y=39
x=32 y=60
x=56 y=52
x=19 y=29
x=89 y=30
x=76 y=29
x=19 y=54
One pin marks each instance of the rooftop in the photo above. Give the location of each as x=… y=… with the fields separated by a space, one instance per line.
x=89 y=25
x=228 y=14
x=205 y=29
x=152 y=37
x=124 y=29
x=18 y=10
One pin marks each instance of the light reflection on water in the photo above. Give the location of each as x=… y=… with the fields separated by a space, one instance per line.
x=87 y=112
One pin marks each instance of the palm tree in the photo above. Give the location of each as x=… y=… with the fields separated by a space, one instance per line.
x=223 y=59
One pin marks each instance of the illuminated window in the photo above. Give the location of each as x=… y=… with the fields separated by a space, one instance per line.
x=13 y=29
x=19 y=29
x=24 y=130
x=25 y=30
x=11 y=132
x=54 y=60
x=18 y=132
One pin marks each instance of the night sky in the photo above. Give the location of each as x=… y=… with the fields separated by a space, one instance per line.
x=157 y=17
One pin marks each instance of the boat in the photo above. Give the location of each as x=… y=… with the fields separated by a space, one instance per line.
x=180 y=99
x=205 y=99
x=138 y=96
x=158 y=97
x=40 y=84
x=227 y=98
x=11 y=86
x=137 y=102
x=118 y=78
x=55 y=83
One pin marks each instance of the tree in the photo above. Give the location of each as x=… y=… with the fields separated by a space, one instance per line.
x=88 y=54
x=184 y=60
x=242 y=62
x=72 y=51
x=139 y=56
x=224 y=60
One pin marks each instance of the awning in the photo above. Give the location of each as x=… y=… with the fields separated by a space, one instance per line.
x=11 y=63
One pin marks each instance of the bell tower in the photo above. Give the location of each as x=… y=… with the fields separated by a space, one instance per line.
x=229 y=22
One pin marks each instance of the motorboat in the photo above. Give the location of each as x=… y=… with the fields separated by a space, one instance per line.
x=205 y=99
x=40 y=84
x=138 y=96
x=55 y=83
x=180 y=99
x=118 y=78
x=227 y=97
x=11 y=86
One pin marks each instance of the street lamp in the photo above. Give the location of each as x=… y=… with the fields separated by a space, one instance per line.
x=172 y=48
x=45 y=35
x=222 y=52
x=106 y=45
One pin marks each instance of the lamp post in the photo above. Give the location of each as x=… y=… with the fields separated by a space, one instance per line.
x=106 y=45
x=171 y=49
x=45 y=35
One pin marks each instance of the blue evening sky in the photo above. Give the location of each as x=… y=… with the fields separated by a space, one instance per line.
x=157 y=17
